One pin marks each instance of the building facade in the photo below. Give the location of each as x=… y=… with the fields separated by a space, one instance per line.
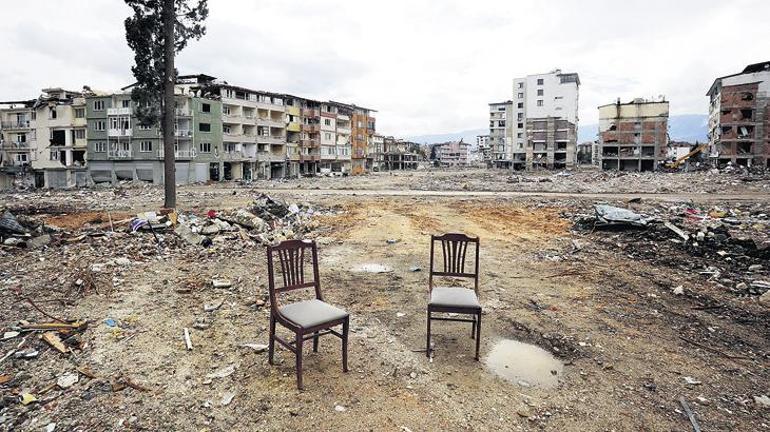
x=739 y=117
x=452 y=154
x=550 y=144
x=43 y=141
x=633 y=136
x=542 y=96
x=500 y=133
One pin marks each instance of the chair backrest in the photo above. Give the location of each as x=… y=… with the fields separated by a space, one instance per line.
x=454 y=248
x=292 y=256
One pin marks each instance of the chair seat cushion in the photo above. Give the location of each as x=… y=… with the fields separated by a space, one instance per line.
x=454 y=297
x=310 y=313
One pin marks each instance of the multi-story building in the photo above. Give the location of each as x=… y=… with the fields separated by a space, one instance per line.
x=739 y=117
x=550 y=144
x=362 y=126
x=120 y=148
x=452 y=153
x=539 y=97
x=43 y=141
x=18 y=142
x=375 y=153
x=310 y=134
x=399 y=154
x=500 y=133
x=633 y=136
x=484 y=149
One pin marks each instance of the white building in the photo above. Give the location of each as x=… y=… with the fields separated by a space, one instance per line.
x=554 y=94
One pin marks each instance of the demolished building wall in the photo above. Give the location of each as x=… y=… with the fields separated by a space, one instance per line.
x=633 y=136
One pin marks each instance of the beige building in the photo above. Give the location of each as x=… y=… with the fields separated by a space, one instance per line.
x=550 y=144
x=43 y=141
x=633 y=136
x=452 y=154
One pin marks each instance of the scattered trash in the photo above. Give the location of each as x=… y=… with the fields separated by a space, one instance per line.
x=10 y=334
x=27 y=398
x=691 y=381
x=258 y=348
x=211 y=307
x=391 y=241
x=373 y=268
x=221 y=283
x=67 y=380
x=762 y=401
x=110 y=322
x=227 y=398
x=187 y=341
x=222 y=373
x=400 y=314
x=340 y=408
x=415 y=269
x=607 y=215
x=678 y=290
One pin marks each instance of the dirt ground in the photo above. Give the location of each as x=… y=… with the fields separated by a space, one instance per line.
x=631 y=347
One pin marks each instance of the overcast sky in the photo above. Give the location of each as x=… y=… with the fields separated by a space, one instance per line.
x=427 y=67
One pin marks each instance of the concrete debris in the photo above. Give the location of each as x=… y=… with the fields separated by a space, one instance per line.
x=222 y=373
x=762 y=401
x=67 y=380
x=257 y=348
x=607 y=215
x=227 y=398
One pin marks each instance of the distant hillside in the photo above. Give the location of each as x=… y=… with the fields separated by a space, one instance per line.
x=685 y=127
x=468 y=136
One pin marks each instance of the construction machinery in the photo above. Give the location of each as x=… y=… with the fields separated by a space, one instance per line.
x=678 y=162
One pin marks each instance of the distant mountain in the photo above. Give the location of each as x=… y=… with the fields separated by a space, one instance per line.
x=468 y=136
x=685 y=127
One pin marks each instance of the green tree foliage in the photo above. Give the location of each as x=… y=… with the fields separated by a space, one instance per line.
x=145 y=35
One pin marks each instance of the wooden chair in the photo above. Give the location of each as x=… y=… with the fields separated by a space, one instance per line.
x=454 y=248
x=309 y=318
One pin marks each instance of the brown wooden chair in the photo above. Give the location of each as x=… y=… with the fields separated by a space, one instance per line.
x=309 y=318
x=454 y=248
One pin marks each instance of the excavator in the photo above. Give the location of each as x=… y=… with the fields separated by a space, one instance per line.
x=678 y=162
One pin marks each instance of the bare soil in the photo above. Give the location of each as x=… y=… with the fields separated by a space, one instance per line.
x=590 y=298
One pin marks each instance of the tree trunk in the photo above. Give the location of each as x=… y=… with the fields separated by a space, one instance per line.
x=169 y=78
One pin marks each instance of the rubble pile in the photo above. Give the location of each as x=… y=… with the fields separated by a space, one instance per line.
x=730 y=246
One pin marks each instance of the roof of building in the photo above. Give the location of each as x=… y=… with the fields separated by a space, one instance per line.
x=501 y=103
x=752 y=68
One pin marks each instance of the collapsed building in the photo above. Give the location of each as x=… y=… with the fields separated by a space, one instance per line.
x=739 y=117
x=633 y=136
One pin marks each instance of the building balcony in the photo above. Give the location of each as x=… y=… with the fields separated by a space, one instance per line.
x=294 y=127
x=343 y=117
x=311 y=128
x=119 y=111
x=309 y=143
x=309 y=157
x=120 y=154
x=233 y=156
x=183 y=112
x=119 y=132
x=179 y=154
x=26 y=124
x=14 y=145
x=264 y=139
x=310 y=112
x=270 y=157
x=270 y=122
x=343 y=130
x=183 y=133
x=270 y=106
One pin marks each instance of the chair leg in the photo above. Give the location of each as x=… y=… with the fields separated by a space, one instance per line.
x=271 y=340
x=478 y=334
x=427 y=342
x=315 y=342
x=345 y=327
x=299 y=360
x=473 y=327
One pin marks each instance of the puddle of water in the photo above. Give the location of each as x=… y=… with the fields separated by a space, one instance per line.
x=524 y=364
x=373 y=268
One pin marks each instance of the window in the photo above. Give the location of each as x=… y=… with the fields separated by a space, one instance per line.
x=125 y=103
x=327 y=122
x=52 y=113
x=520 y=105
x=144 y=127
x=228 y=93
x=145 y=146
x=80 y=133
x=53 y=155
x=520 y=116
x=205 y=127
x=21 y=157
x=204 y=147
x=98 y=105
x=80 y=113
x=225 y=109
x=519 y=135
x=520 y=125
x=521 y=85
x=21 y=138
x=100 y=147
x=328 y=136
x=98 y=125
x=521 y=96
x=539 y=102
x=501 y=123
x=539 y=92
x=539 y=81
x=207 y=107
x=225 y=129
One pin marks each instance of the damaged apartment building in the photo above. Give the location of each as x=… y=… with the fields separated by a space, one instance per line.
x=538 y=127
x=43 y=141
x=739 y=117
x=633 y=136
x=225 y=132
